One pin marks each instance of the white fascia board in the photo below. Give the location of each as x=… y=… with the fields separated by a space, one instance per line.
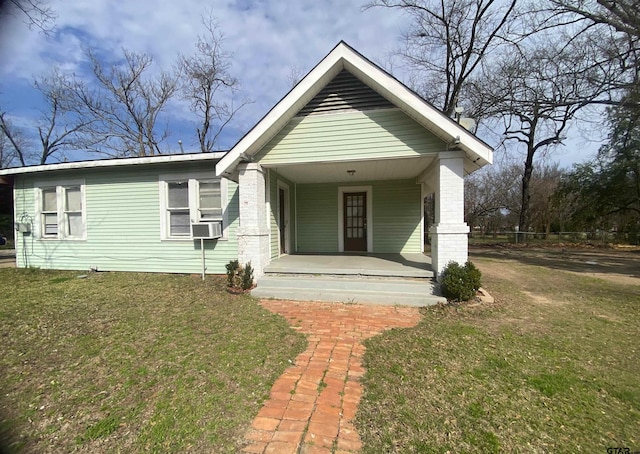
x=115 y=162
x=284 y=110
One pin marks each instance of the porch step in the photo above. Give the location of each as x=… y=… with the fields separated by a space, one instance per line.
x=365 y=290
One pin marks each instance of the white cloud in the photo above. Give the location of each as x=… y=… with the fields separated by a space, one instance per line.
x=267 y=38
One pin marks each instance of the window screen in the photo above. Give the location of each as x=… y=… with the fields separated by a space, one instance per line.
x=178 y=204
x=49 y=212
x=210 y=202
x=178 y=194
x=73 y=199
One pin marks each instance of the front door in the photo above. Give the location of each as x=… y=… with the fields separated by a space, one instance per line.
x=355 y=221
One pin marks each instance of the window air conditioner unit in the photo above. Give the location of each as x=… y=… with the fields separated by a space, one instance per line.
x=206 y=230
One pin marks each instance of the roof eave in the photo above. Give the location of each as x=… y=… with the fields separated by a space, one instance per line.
x=215 y=156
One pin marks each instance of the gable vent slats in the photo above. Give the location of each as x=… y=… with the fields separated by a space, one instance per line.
x=344 y=93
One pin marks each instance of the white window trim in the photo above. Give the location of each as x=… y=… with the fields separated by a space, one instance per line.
x=63 y=229
x=369 y=191
x=192 y=178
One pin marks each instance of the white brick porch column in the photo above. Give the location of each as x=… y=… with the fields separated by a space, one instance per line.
x=449 y=240
x=253 y=231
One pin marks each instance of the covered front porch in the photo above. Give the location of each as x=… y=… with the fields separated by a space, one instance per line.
x=364 y=207
x=343 y=163
x=390 y=279
x=409 y=265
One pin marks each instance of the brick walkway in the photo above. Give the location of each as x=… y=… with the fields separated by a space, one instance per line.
x=312 y=404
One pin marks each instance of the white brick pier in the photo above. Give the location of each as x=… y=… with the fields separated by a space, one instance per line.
x=253 y=232
x=449 y=235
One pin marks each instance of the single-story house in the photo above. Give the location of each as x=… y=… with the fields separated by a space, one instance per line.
x=342 y=164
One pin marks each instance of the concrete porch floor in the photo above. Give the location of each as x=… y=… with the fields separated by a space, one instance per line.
x=413 y=265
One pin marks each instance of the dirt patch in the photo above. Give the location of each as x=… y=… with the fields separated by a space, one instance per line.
x=620 y=265
x=613 y=277
x=539 y=299
x=498 y=270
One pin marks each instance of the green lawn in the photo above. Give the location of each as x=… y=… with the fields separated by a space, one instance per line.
x=552 y=366
x=126 y=362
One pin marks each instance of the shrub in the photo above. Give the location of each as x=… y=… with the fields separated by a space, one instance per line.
x=233 y=272
x=474 y=274
x=247 y=277
x=238 y=276
x=460 y=282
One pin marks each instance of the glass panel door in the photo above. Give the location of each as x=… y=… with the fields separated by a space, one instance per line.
x=355 y=221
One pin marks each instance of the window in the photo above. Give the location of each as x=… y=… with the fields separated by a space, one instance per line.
x=61 y=211
x=49 y=213
x=178 y=208
x=190 y=200
x=73 y=211
x=209 y=201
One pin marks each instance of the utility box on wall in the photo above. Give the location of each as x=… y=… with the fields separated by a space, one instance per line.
x=24 y=227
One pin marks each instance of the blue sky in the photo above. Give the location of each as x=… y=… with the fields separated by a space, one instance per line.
x=267 y=38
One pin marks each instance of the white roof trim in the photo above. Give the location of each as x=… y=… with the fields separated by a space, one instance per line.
x=114 y=162
x=345 y=57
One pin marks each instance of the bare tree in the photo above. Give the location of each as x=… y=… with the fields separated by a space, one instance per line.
x=37 y=13
x=491 y=194
x=9 y=156
x=536 y=92
x=619 y=14
x=207 y=81
x=295 y=75
x=615 y=24
x=12 y=143
x=448 y=40
x=58 y=129
x=126 y=106
x=545 y=181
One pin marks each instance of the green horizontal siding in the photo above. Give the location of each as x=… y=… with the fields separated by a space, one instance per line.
x=374 y=134
x=24 y=196
x=123 y=226
x=317 y=220
x=396 y=216
x=273 y=214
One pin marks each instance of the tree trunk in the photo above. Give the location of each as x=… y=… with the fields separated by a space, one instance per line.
x=523 y=222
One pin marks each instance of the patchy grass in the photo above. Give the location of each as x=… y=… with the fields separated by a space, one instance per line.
x=126 y=362
x=552 y=366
